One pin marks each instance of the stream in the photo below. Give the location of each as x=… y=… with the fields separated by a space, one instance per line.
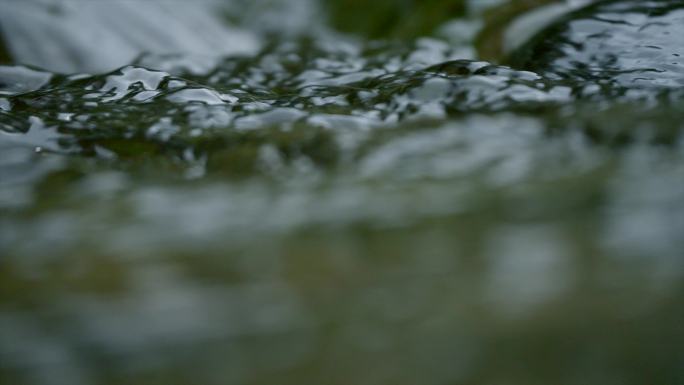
x=337 y=192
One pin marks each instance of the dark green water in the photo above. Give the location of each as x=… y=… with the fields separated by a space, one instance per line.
x=353 y=209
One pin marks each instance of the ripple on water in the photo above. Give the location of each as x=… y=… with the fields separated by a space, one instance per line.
x=242 y=94
x=632 y=44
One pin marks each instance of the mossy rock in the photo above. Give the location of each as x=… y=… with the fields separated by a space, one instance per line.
x=402 y=19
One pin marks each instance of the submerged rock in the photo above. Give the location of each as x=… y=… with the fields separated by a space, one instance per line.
x=622 y=43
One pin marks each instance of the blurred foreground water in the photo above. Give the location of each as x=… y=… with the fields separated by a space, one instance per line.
x=342 y=193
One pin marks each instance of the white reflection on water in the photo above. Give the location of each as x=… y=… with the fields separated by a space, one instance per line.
x=97 y=36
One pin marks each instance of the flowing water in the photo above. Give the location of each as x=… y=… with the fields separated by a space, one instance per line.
x=280 y=195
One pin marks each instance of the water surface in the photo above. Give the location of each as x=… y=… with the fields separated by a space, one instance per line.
x=344 y=206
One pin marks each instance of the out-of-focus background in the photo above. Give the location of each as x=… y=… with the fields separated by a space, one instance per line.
x=341 y=192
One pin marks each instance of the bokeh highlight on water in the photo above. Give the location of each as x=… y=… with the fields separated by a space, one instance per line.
x=309 y=204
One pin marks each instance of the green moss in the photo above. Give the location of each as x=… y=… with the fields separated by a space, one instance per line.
x=392 y=18
x=4 y=51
